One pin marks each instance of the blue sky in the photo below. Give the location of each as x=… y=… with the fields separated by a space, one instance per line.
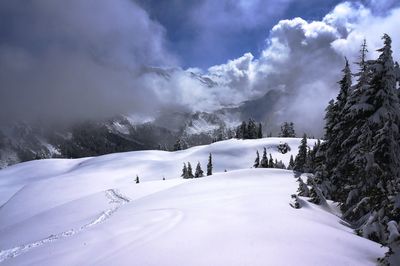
x=203 y=33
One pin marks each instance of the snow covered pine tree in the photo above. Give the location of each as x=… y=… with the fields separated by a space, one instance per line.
x=189 y=171
x=184 y=171
x=199 y=172
x=301 y=157
x=358 y=164
x=291 y=163
x=264 y=159
x=257 y=161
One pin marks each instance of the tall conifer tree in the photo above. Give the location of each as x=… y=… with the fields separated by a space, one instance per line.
x=257 y=161
x=301 y=157
x=209 y=165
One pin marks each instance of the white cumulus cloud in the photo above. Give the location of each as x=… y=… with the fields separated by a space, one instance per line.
x=303 y=59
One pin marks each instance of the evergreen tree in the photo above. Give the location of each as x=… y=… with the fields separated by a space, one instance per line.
x=336 y=133
x=316 y=195
x=292 y=132
x=307 y=166
x=345 y=87
x=249 y=130
x=230 y=133
x=209 y=165
x=375 y=143
x=291 y=163
x=330 y=119
x=244 y=130
x=271 y=163
x=259 y=131
x=241 y=131
x=177 y=145
x=199 y=171
x=384 y=123
x=320 y=171
x=287 y=130
x=252 y=129
x=341 y=117
x=257 y=161
x=392 y=257
x=189 y=170
x=301 y=157
x=397 y=72
x=264 y=160
x=310 y=165
x=238 y=134
x=303 y=189
x=361 y=155
x=362 y=75
x=184 y=171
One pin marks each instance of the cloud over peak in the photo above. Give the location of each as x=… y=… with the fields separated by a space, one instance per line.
x=70 y=59
x=84 y=59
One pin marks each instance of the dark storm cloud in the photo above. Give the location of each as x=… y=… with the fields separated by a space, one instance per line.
x=69 y=59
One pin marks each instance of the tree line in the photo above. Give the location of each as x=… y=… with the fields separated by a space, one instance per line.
x=358 y=164
x=187 y=171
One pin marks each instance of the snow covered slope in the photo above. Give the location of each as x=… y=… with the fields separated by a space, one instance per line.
x=90 y=212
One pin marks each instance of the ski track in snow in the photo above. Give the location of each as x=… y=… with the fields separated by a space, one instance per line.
x=114 y=198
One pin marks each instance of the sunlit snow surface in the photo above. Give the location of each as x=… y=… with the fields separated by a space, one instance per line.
x=91 y=212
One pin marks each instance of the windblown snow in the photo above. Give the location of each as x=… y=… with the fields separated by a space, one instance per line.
x=90 y=211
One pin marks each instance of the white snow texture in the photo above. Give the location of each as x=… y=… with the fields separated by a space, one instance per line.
x=90 y=211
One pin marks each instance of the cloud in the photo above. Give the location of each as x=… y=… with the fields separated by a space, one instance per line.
x=63 y=60
x=237 y=74
x=303 y=59
x=370 y=26
x=381 y=7
x=69 y=60
x=222 y=29
x=76 y=59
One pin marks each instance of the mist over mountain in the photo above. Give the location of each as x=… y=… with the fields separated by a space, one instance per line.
x=88 y=68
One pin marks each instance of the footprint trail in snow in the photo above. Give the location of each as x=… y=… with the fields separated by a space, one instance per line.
x=114 y=198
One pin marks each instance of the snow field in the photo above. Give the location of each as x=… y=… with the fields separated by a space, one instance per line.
x=90 y=212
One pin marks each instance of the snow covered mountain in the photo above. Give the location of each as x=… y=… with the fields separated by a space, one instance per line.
x=21 y=141
x=90 y=211
x=24 y=142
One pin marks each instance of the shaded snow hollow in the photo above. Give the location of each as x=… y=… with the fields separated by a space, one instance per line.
x=90 y=212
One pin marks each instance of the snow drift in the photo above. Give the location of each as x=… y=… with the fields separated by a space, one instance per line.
x=91 y=212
